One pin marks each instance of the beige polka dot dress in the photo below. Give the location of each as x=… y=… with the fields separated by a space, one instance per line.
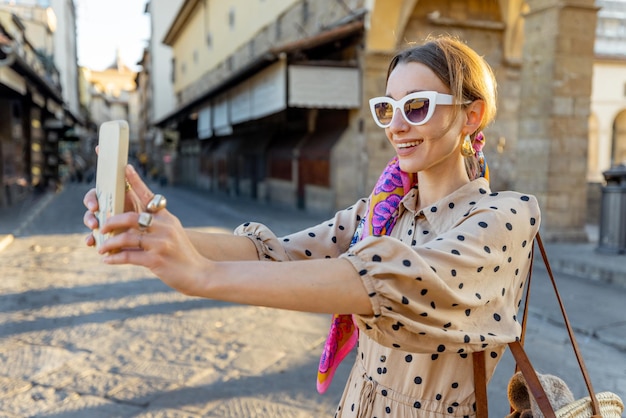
x=447 y=282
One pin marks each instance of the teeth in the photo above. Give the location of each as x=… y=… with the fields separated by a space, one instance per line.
x=409 y=144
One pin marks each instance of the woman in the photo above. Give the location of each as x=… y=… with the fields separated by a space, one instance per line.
x=430 y=266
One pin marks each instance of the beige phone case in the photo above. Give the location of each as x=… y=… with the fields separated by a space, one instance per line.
x=110 y=179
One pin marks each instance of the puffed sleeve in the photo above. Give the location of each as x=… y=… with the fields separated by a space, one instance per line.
x=459 y=292
x=327 y=240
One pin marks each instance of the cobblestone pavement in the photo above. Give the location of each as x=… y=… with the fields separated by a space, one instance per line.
x=82 y=339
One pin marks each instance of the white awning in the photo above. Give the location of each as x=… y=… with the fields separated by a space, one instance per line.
x=205 y=128
x=241 y=102
x=324 y=87
x=261 y=95
x=221 y=121
x=268 y=89
x=265 y=93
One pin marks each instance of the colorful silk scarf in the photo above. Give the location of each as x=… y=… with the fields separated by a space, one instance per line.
x=380 y=219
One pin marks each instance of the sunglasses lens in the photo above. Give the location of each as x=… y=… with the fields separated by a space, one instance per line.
x=384 y=112
x=416 y=109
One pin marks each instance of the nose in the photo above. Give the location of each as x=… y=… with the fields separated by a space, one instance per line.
x=398 y=122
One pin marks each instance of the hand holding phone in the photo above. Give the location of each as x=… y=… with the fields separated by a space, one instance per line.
x=110 y=180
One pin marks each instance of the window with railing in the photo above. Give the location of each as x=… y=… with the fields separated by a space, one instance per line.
x=611 y=28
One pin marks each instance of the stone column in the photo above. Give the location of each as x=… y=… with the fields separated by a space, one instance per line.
x=554 y=112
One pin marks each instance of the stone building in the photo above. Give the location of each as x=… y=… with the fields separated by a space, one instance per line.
x=159 y=100
x=272 y=96
x=33 y=116
x=608 y=132
x=607 y=124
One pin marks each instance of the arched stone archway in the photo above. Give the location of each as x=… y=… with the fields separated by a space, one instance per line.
x=618 y=142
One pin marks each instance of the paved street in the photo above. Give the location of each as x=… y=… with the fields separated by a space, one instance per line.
x=82 y=339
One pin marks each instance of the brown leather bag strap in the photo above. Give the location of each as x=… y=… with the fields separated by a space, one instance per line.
x=594 y=402
x=532 y=381
x=522 y=361
x=480 y=384
x=524 y=365
x=480 y=370
x=525 y=311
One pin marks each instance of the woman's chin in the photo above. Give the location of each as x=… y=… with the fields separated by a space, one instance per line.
x=408 y=166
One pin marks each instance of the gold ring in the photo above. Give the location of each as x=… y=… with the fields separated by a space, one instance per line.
x=157 y=203
x=128 y=187
x=144 y=221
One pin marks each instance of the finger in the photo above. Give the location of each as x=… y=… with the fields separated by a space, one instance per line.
x=129 y=256
x=91 y=200
x=130 y=239
x=90 y=241
x=139 y=187
x=121 y=222
x=90 y=220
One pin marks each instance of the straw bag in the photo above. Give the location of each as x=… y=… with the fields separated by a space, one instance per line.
x=604 y=404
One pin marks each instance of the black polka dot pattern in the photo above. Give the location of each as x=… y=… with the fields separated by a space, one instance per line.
x=446 y=283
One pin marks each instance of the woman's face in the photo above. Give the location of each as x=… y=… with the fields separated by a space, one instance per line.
x=434 y=145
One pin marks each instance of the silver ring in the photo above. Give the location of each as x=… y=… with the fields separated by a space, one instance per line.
x=157 y=203
x=144 y=221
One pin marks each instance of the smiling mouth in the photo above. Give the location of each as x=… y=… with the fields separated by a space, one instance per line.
x=409 y=144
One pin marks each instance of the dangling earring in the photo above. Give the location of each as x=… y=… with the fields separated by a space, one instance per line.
x=467 y=149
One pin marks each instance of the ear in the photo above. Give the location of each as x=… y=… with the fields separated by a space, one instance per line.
x=474 y=113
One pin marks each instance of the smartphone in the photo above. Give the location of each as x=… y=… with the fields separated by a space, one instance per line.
x=110 y=179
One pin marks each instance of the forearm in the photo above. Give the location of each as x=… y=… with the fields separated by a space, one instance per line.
x=323 y=286
x=222 y=247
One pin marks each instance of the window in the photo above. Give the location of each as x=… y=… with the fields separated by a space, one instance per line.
x=231 y=18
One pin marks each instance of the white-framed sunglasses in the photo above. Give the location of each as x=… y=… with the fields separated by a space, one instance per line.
x=416 y=108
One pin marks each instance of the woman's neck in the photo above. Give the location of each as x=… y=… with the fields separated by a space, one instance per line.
x=435 y=186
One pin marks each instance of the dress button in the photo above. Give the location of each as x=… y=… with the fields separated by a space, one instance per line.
x=383 y=359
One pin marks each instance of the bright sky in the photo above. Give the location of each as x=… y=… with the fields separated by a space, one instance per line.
x=104 y=26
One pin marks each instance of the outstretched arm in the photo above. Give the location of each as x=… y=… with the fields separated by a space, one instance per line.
x=186 y=261
x=324 y=286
